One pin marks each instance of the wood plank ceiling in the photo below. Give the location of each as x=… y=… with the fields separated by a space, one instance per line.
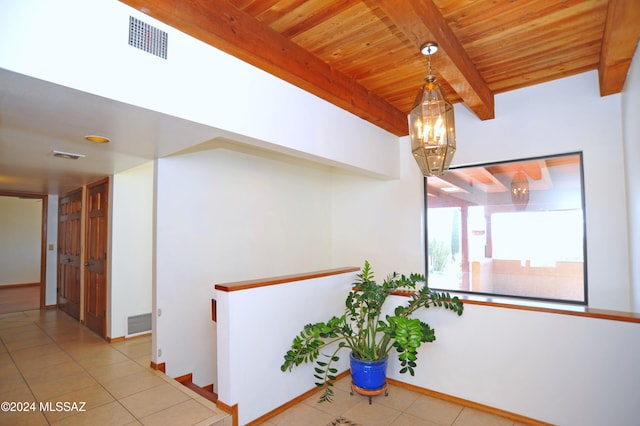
x=363 y=55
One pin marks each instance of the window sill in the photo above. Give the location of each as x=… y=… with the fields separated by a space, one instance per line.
x=549 y=307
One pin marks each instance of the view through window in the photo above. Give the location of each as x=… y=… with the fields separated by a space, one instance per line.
x=509 y=229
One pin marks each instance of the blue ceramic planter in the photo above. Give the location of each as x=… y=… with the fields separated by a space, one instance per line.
x=368 y=375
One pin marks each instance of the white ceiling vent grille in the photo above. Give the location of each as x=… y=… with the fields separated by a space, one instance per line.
x=145 y=37
x=68 y=155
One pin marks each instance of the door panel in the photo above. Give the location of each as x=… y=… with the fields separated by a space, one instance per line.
x=69 y=250
x=96 y=257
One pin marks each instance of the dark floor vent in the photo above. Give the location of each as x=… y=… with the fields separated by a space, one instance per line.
x=145 y=37
x=139 y=323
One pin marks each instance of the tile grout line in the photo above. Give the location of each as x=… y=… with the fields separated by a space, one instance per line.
x=15 y=364
x=116 y=399
x=54 y=328
x=76 y=361
x=457 y=416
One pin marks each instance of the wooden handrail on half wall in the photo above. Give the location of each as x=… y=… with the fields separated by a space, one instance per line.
x=255 y=323
x=244 y=285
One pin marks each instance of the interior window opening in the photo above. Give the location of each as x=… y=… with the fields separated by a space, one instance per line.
x=512 y=229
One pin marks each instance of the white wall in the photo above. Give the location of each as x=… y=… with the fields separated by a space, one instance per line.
x=562 y=369
x=225 y=215
x=20 y=240
x=21 y=231
x=631 y=136
x=557 y=368
x=196 y=82
x=255 y=329
x=131 y=246
x=380 y=221
x=564 y=116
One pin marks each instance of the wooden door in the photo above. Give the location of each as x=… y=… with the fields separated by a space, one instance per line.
x=95 y=274
x=69 y=251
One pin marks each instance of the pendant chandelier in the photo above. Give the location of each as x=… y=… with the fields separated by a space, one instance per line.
x=520 y=190
x=431 y=125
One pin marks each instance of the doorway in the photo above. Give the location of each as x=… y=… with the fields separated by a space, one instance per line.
x=22 y=251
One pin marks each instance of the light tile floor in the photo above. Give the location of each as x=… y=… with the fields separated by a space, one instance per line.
x=48 y=358
x=401 y=407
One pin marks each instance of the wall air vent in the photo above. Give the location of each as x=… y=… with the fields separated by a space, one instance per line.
x=67 y=155
x=138 y=323
x=145 y=37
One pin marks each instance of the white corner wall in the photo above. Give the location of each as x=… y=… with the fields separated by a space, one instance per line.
x=380 y=221
x=222 y=216
x=131 y=246
x=631 y=137
x=564 y=116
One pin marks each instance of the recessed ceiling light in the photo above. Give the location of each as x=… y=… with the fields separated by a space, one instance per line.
x=96 y=139
x=452 y=189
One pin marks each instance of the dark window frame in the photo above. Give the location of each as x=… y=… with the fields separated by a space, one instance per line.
x=492 y=296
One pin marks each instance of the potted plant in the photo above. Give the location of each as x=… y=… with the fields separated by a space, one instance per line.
x=370 y=337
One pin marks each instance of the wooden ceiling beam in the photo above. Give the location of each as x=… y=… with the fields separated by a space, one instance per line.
x=421 y=21
x=222 y=25
x=621 y=33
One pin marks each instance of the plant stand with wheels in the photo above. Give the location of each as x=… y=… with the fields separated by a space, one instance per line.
x=369 y=393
